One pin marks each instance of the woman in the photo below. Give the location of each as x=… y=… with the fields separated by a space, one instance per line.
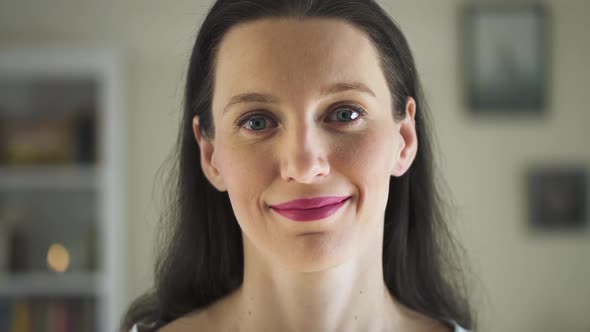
x=304 y=198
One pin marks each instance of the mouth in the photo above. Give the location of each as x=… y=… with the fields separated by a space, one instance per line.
x=311 y=209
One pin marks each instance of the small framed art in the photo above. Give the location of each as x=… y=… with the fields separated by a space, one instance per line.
x=557 y=198
x=505 y=61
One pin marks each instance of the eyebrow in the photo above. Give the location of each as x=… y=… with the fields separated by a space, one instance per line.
x=251 y=97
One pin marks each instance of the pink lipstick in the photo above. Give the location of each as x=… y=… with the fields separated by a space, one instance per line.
x=309 y=209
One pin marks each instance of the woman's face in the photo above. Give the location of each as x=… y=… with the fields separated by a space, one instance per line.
x=324 y=127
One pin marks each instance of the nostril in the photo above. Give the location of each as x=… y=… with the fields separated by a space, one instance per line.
x=306 y=173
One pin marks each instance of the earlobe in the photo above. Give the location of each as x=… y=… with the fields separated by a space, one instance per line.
x=409 y=140
x=207 y=149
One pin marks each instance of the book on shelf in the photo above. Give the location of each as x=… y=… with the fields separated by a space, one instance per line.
x=47 y=315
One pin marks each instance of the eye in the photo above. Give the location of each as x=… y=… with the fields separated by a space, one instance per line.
x=347 y=114
x=255 y=122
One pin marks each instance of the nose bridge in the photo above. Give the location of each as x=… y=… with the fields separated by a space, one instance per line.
x=304 y=157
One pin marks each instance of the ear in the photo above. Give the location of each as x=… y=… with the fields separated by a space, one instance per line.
x=208 y=164
x=408 y=146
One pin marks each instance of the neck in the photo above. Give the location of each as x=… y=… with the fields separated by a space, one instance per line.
x=349 y=297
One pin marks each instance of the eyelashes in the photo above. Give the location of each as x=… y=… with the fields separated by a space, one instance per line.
x=258 y=121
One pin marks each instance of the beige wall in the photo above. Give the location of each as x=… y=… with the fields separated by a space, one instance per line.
x=532 y=283
x=528 y=282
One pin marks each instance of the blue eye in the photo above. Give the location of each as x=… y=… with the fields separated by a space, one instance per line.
x=348 y=114
x=256 y=123
x=344 y=115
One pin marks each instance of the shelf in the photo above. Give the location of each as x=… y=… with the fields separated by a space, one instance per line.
x=63 y=198
x=48 y=177
x=43 y=284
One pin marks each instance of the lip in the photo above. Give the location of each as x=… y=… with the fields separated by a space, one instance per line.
x=308 y=209
x=310 y=203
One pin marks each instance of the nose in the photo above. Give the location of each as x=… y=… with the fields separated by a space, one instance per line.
x=304 y=156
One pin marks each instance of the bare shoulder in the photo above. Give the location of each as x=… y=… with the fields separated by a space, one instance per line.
x=427 y=324
x=209 y=318
x=194 y=321
x=418 y=322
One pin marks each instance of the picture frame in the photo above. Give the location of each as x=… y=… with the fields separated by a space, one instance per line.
x=557 y=198
x=505 y=58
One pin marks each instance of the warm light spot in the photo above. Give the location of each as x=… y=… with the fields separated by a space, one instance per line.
x=58 y=258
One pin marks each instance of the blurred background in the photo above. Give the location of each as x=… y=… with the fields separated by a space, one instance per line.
x=90 y=97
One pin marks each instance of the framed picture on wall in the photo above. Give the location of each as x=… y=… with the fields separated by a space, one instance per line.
x=505 y=62
x=557 y=198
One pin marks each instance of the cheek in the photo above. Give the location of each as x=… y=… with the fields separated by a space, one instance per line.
x=246 y=173
x=371 y=155
x=367 y=162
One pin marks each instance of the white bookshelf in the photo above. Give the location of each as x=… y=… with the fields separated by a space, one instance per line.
x=60 y=177
x=49 y=284
x=103 y=179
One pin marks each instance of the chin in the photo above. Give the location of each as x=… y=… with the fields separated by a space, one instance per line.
x=315 y=252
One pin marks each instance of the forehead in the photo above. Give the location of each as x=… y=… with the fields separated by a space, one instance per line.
x=294 y=58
